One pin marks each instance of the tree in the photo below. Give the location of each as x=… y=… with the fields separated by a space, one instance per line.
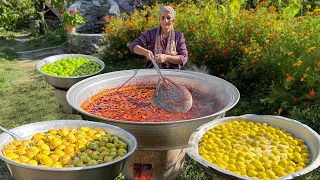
x=39 y=15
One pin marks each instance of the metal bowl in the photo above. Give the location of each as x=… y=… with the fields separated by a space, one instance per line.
x=66 y=82
x=156 y=135
x=105 y=171
x=309 y=136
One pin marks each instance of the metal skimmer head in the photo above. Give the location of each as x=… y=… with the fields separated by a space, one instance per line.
x=172 y=97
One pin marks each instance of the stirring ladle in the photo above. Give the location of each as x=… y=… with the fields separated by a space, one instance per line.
x=170 y=96
x=15 y=136
x=158 y=69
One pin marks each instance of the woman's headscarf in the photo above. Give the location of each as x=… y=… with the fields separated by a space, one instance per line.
x=169 y=9
x=171 y=45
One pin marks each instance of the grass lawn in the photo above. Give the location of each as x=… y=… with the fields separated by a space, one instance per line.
x=27 y=98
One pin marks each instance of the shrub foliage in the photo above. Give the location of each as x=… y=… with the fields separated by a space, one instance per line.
x=14 y=12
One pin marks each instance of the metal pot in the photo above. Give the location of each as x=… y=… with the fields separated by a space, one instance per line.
x=105 y=171
x=309 y=136
x=66 y=82
x=156 y=135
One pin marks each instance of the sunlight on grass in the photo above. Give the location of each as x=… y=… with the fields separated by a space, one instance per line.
x=19 y=103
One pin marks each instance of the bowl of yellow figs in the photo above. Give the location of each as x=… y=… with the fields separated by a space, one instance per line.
x=66 y=150
x=255 y=147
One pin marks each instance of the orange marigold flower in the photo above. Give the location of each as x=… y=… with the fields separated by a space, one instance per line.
x=312 y=92
x=280 y=110
x=290 y=53
x=318 y=63
x=311 y=49
x=289 y=78
x=272 y=9
x=298 y=63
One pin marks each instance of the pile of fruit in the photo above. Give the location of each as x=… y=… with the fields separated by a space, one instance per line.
x=254 y=149
x=67 y=148
x=66 y=67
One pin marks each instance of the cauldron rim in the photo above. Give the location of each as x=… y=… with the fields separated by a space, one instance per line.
x=223 y=110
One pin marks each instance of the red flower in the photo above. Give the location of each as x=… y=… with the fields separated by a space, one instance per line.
x=295 y=100
x=71 y=11
x=106 y=18
x=312 y=92
x=61 y=11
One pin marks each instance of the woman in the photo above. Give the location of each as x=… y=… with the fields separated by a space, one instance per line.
x=164 y=44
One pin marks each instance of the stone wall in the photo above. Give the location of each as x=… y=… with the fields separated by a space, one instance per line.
x=94 y=12
x=85 y=43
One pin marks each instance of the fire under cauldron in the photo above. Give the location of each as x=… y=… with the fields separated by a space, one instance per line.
x=161 y=145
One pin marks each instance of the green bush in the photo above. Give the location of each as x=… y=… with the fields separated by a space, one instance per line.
x=14 y=12
x=247 y=4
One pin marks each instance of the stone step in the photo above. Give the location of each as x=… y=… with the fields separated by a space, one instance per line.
x=37 y=55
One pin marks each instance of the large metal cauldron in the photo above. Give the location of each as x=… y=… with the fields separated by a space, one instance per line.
x=156 y=135
x=105 y=171
x=66 y=82
x=309 y=136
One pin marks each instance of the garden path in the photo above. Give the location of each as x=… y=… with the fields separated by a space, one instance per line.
x=38 y=54
x=41 y=54
x=21 y=46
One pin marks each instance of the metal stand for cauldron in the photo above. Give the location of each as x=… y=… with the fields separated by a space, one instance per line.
x=62 y=101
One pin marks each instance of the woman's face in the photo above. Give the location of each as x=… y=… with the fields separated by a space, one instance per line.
x=166 y=20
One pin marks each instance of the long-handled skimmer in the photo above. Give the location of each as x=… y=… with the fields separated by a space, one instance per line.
x=169 y=95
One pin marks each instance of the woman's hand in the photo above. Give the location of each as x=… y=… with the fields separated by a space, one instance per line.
x=161 y=58
x=173 y=53
x=149 y=55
